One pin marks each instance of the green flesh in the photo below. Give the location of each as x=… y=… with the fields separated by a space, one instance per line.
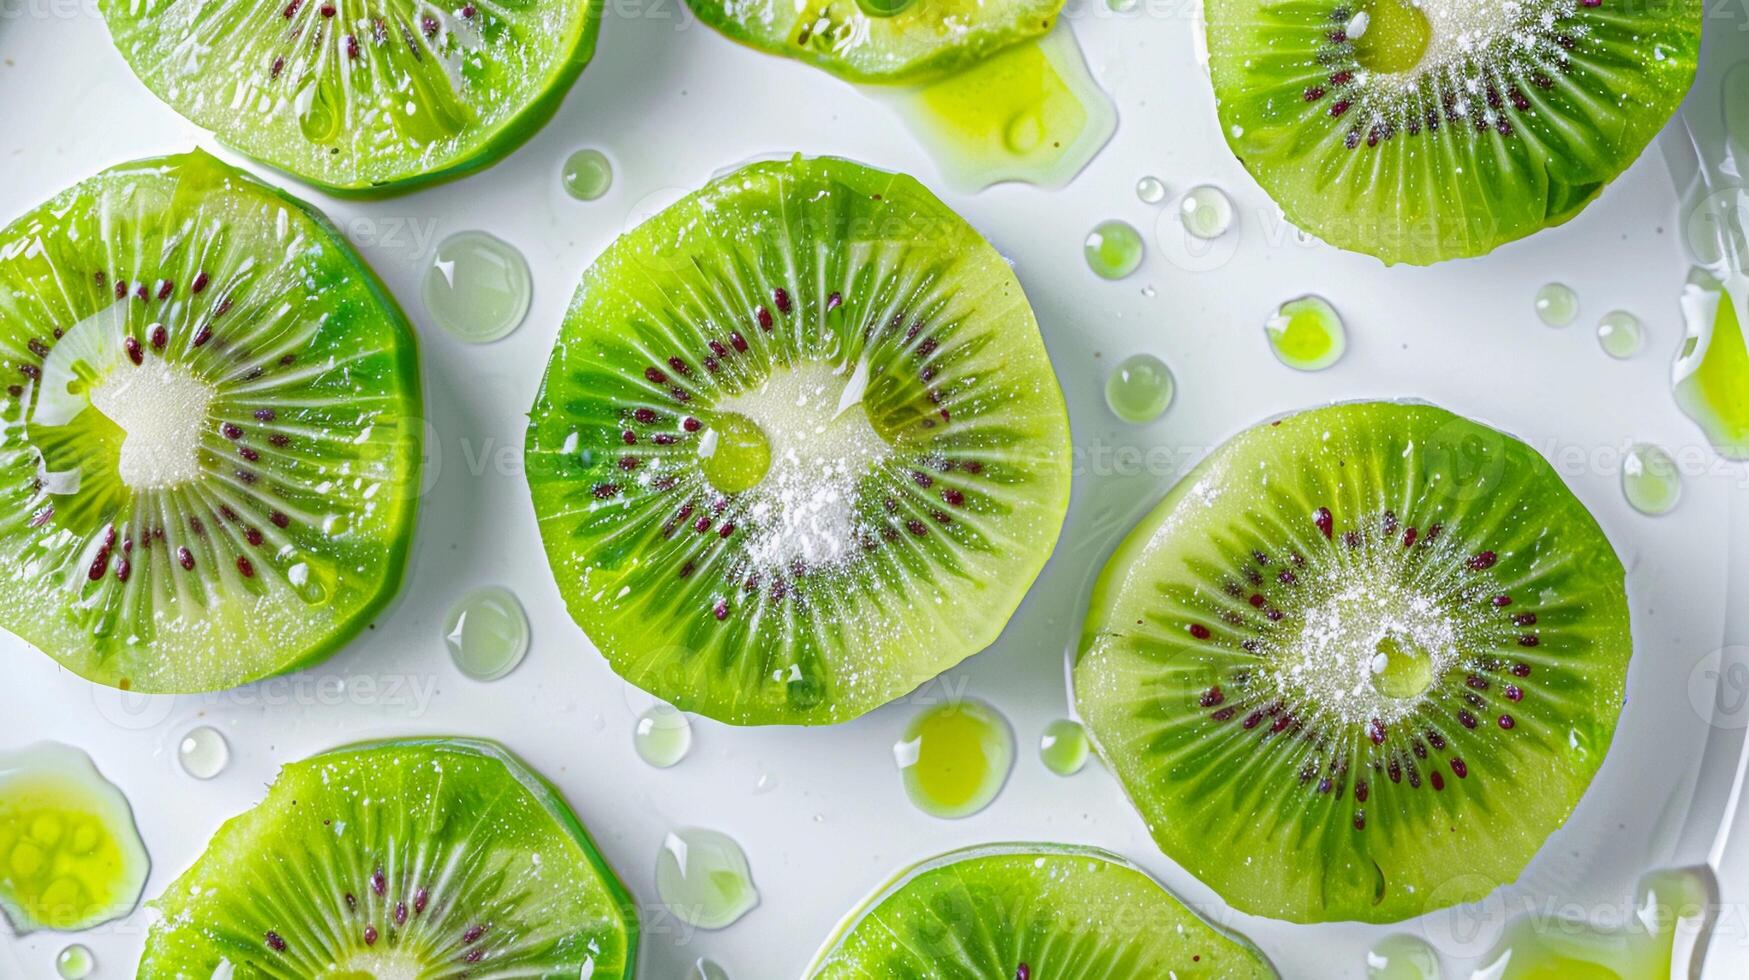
x=296 y=498
x=1067 y=913
x=920 y=40
x=1410 y=163
x=360 y=96
x=906 y=508
x=458 y=860
x=1230 y=670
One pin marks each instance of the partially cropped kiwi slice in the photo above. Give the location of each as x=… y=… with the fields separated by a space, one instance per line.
x=1421 y=130
x=360 y=96
x=1359 y=664
x=432 y=858
x=1025 y=911
x=799 y=448
x=881 y=41
x=210 y=445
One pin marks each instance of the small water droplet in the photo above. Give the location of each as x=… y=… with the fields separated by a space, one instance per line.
x=703 y=878
x=1557 y=304
x=1207 y=211
x=1114 y=249
x=955 y=758
x=1152 y=190
x=1307 y=334
x=588 y=174
x=75 y=962
x=487 y=633
x=1650 y=480
x=203 y=752
x=1063 y=747
x=663 y=736
x=1023 y=132
x=478 y=287
x=1621 y=334
x=1401 y=956
x=1139 y=389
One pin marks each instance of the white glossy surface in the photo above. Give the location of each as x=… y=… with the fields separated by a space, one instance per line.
x=821 y=813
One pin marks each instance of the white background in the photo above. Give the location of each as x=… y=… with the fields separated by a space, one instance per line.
x=671 y=102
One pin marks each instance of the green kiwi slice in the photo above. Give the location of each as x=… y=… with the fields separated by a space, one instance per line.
x=361 y=96
x=1024 y=911
x=212 y=433
x=1422 y=130
x=799 y=447
x=438 y=858
x=1359 y=664
x=881 y=41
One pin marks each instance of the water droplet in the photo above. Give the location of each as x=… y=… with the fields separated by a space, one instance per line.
x=1620 y=334
x=1063 y=747
x=1557 y=304
x=478 y=287
x=203 y=752
x=1114 y=249
x=1152 y=190
x=75 y=962
x=703 y=878
x=487 y=633
x=1207 y=211
x=955 y=758
x=588 y=174
x=1024 y=132
x=1650 y=480
x=707 y=969
x=1672 y=909
x=1307 y=334
x=1711 y=376
x=1401 y=956
x=1139 y=389
x=663 y=736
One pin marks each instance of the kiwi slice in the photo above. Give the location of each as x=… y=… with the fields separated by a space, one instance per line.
x=434 y=858
x=799 y=448
x=1359 y=664
x=361 y=96
x=1422 y=130
x=881 y=41
x=1022 y=911
x=212 y=440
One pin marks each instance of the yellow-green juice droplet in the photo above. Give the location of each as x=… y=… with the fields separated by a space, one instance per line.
x=487 y=633
x=1621 y=334
x=203 y=752
x=1668 y=905
x=703 y=878
x=1063 y=747
x=478 y=287
x=735 y=453
x=1307 y=334
x=1557 y=304
x=663 y=736
x=75 y=962
x=1206 y=211
x=1401 y=956
x=1390 y=36
x=1650 y=480
x=1140 y=388
x=1114 y=249
x=1711 y=376
x=955 y=758
x=588 y=174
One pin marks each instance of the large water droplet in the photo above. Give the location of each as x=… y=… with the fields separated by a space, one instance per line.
x=478 y=287
x=487 y=633
x=203 y=752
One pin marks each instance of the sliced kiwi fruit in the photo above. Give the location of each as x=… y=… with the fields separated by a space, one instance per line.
x=1422 y=130
x=881 y=41
x=1359 y=664
x=361 y=96
x=799 y=447
x=211 y=430
x=1024 y=911
x=438 y=858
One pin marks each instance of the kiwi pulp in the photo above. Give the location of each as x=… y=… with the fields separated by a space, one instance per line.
x=1422 y=130
x=412 y=858
x=799 y=447
x=1050 y=911
x=210 y=440
x=1359 y=664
